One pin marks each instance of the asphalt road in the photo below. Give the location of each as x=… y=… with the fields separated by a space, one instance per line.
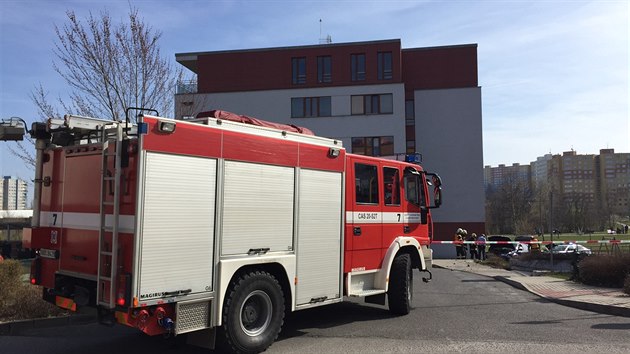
x=456 y=312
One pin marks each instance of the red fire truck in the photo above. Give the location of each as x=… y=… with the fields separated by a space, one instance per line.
x=216 y=228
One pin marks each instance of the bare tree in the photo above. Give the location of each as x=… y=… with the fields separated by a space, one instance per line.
x=113 y=67
x=108 y=68
x=508 y=206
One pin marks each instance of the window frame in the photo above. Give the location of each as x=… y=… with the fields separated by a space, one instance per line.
x=368 y=145
x=406 y=177
x=298 y=70
x=357 y=61
x=373 y=182
x=324 y=69
x=311 y=107
x=395 y=187
x=385 y=65
x=370 y=104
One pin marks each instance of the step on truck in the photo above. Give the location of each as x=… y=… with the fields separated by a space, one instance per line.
x=215 y=229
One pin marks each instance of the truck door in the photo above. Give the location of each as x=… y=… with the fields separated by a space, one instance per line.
x=366 y=217
x=414 y=204
x=394 y=218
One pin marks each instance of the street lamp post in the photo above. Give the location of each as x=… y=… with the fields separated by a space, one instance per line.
x=551 y=226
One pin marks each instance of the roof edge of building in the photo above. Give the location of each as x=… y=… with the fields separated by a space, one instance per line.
x=469 y=45
x=188 y=54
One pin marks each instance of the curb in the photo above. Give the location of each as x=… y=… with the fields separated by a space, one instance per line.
x=18 y=327
x=588 y=306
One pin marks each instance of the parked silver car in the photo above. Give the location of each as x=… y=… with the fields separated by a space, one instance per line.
x=570 y=248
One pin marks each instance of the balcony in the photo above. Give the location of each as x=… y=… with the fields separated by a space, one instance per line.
x=186 y=87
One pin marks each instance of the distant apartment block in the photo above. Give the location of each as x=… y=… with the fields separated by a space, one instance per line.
x=13 y=193
x=614 y=177
x=494 y=177
x=376 y=97
x=601 y=181
x=539 y=168
x=576 y=178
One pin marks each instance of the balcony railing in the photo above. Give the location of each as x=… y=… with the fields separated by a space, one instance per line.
x=189 y=86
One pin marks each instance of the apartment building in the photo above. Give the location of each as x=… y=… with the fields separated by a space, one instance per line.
x=494 y=177
x=601 y=181
x=539 y=168
x=13 y=193
x=578 y=178
x=614 y=176
x=376 y=97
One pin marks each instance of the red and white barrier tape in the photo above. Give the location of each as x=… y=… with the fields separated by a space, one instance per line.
x=555 y=242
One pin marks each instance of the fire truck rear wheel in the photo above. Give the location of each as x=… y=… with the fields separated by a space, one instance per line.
x=400 y=293
x=253 y=313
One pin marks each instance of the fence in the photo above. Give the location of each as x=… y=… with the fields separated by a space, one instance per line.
x=611 y=247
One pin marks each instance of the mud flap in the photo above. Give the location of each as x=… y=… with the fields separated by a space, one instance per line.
x=376 y=299
x=204 y=338
x=106 y=317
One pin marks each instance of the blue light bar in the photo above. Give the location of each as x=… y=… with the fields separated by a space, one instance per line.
x=143 y=128
x=415 y=158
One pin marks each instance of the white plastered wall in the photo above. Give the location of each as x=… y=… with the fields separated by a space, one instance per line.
x=275 y=106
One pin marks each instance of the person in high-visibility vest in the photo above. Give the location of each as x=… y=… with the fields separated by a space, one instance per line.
x=459 y=247
x=534 y=247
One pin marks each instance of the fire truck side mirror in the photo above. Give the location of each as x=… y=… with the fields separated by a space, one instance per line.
x=437 y=196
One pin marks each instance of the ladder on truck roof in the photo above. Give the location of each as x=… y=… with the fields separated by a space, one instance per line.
x=111 y=138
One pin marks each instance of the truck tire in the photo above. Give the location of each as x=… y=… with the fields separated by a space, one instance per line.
x=253 y=313
x=400 y=293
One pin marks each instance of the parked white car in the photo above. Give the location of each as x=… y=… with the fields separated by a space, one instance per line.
x=570 y=248
x=520 y=248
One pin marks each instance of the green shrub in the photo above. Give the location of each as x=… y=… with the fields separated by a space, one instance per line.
x=604 y=270
x=20 y=300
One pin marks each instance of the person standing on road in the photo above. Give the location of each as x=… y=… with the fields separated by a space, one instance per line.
x=472 y=247
x=534 y=246
x=464 y=246
x=481 y=246
x=459 y=247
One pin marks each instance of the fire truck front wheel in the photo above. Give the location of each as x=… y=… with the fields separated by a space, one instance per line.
x=253 y=313
x=400 y=293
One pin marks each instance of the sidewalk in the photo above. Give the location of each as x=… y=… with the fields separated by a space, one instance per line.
x=568 y=293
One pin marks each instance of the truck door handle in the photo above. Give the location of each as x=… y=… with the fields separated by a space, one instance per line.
x=356 y=231
x=406 y=229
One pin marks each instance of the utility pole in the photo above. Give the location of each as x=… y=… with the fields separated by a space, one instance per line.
x=551 y=225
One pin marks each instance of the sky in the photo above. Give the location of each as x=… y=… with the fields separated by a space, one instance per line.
x=553 y=74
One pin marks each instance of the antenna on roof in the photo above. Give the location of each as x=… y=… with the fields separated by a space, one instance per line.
x=328 y=38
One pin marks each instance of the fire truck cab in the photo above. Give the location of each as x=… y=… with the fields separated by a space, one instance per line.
x=215 y=229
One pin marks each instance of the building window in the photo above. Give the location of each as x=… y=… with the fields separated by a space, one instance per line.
x=358 y=67
x=299 y=70
x=410 y=114
x=411 y=146
x=324 y=69
x=366 y=180
x=410 y=126
x=372 y=104
x=384 y=65
x=373 y=146
x=306 y=107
